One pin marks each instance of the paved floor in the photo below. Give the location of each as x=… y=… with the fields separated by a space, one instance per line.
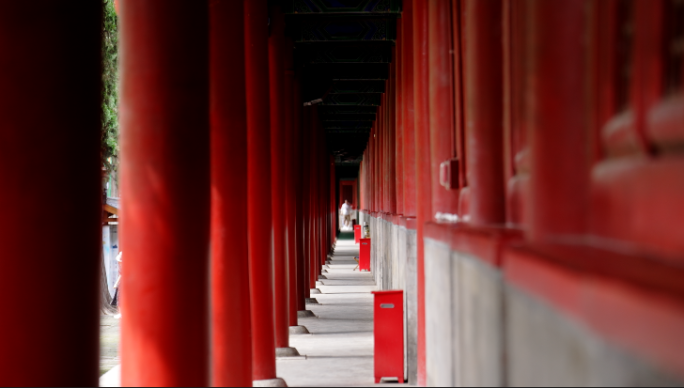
x=110 y=335
x=340 y=349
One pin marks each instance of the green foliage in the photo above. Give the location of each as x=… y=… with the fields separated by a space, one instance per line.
x=110 y=82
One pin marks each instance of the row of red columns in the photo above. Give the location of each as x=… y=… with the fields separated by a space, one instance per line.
x=193 y=180
x=266 y=194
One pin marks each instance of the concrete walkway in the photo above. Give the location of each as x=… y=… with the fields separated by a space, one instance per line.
x=339 y=349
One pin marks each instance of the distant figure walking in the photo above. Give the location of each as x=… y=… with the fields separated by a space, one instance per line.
x=346 y=211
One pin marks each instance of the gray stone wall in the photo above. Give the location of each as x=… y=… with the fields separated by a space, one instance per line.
x=411 y=298
x=393 y=262
x=482 y=332
x=545 y=347
x=441 y=331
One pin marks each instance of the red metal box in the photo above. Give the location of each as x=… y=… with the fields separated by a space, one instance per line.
x=357 y=233
x=389 y=335
x=364 y=256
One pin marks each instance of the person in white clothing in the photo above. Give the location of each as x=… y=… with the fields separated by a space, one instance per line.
x=346 y=211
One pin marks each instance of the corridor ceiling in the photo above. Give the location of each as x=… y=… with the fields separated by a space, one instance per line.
x=343 y=49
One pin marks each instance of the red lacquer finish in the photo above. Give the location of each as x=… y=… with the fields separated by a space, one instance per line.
x=399 y=119
x=441 y=97
x=422 y=144
x=259 y=189
x=407 y=110
x=560 y=170
x=290 y=179
x=50 y=119
x=278 y=184
x=484 y=111
x=165 y=168
x=365 y=255
x=231 y=320
x=299 y=181
x=388 y=320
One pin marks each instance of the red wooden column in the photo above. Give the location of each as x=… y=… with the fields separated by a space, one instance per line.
x=49 y=63
x=441 y=96
x=423 y=181
x=313 y=248
x=560 y=167
x=387 y=156
x=381 y=160
x=377 y=182
x=392 y=133
x=331 y=201
x=407 y=111
x=259 y=190
x=278 y=182
x=484 y=91
x=165 y=168
x=232 y=345
x=290 y=180
x=301 y=139
x=399 y=120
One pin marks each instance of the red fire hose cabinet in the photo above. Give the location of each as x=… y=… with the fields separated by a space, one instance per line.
x=364 y=256
x=357 y=234
x=389 y=335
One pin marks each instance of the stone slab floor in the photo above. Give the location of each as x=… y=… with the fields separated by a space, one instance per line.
x=110 y=334
x=339 y=350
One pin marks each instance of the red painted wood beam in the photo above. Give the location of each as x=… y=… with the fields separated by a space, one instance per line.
x=556 y=117
x=231 y=320
x=442 y=115
x=311 y=166
x=259 y=189
x=391 y=141
x=165 y=167
x=484 y=93
x=279 y=190
x=407 y=111
x=399 y=119
x=422 y=143
x=50 y=116
x=290 y=180
x=300 y=136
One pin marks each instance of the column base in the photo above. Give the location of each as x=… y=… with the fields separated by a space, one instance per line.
x=277 y=382
x=311 y=301
x=299 y=330
x=305 y=314
x=315 y=291
x=288 y=354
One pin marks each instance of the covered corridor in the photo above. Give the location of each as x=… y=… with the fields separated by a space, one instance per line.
x=518 y=165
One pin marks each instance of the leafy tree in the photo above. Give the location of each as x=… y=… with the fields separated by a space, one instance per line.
x=110 y=78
